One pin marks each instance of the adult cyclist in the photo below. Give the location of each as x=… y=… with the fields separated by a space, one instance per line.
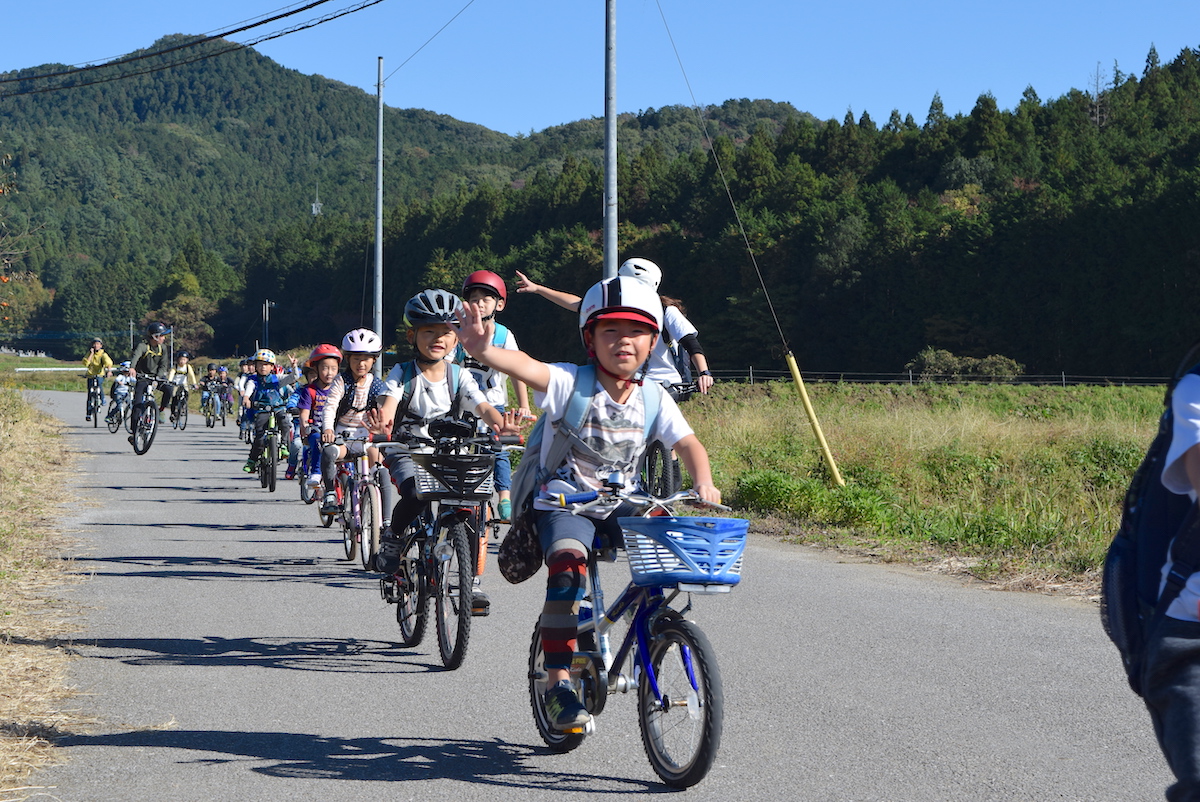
x=149 y=363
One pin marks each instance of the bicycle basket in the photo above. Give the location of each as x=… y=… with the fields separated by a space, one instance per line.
x=454 y=476
x=668 y=551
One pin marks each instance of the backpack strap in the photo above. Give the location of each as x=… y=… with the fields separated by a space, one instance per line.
x=567 y=427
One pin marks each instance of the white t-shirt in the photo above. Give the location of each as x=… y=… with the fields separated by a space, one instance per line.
x=661 y=365
x=612 y=429
x=494 y=383
x=432 y=400
x=1185 y=411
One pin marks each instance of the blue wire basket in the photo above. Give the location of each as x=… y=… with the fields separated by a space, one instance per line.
x=668 y=551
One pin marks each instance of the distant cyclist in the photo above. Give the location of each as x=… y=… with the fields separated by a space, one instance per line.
x=148 y=363
x=99 y=366
x=264 y=399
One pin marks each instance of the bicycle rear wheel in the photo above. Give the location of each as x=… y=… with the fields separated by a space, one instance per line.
x=681 y=734
x=412 y=608
x=370 y=516
x=145 y=427
x=558 y=741
x=454 y=594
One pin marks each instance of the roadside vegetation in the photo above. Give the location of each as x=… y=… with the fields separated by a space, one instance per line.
x=1020 y=485
x=33 y=619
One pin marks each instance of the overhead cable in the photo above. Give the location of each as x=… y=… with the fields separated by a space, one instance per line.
x=159 y=68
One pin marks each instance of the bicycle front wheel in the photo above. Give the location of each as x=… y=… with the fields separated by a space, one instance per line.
x=370 y=516
x=558 y=741
x=681 y=733
x=271 y=454
x=113 y=419
x=210 y=415
x=455 y=574
x=346 y=518
x=412 y=608
x=662 y=477
x=145 y=427
x=182 y=415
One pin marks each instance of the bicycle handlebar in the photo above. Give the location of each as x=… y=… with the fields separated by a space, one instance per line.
x=591 y=499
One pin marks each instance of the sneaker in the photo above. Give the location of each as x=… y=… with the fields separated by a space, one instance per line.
x=162 y=417
x=329 y=504
x=564 y=709
x=250 y=466
x=130 y=439
x=314 y=480
x=88 y=418
x=283 y=452
x=504 y=510
x=290 y=473
x=387 y=560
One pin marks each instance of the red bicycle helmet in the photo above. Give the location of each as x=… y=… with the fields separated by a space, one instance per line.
x=323 y=351
x=487 y=280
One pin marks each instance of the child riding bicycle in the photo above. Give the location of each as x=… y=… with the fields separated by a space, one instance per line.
x=352 y=392
x=485 y=289
x=619 y=322
x=420 y=391
x=324 y=363
x=265 y=394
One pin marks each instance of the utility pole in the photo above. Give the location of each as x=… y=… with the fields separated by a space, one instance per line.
x=266 y=316
x=377 y=318
x=610 y=139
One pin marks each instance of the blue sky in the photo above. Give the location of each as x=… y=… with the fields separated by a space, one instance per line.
x=522 y=65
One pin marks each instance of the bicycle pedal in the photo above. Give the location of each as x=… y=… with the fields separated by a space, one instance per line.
x=481 y=612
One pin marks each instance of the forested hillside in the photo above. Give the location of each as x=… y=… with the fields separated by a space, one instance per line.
x=129 y=182
x=1060 y=233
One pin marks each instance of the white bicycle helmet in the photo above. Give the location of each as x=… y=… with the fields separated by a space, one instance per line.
x=622 y=297
x=428 y=307
x=643 y=270
x=362 y=341
x=264 y=355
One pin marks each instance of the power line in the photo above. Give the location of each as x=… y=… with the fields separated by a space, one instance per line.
x=430 y=39
x=725 y=183
x=233 y=47
x=152 y=54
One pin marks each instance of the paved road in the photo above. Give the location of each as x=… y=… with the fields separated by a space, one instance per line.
x=231 y=654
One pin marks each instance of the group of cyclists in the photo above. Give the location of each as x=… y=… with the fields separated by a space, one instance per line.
x=333 y=407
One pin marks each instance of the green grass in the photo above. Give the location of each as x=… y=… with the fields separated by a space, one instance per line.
x=1018 y=481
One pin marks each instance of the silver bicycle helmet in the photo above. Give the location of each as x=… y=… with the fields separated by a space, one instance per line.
x=429 y=307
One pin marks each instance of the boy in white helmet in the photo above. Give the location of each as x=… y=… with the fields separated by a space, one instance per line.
x=620 y=320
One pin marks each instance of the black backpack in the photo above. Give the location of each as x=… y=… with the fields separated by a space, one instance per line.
x=1151 y=518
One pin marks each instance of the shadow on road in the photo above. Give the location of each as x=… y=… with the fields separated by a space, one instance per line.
x=331 y=572
x=337 y=655
x=316 y=757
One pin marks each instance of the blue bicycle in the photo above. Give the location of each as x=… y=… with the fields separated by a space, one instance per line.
x=663 y=657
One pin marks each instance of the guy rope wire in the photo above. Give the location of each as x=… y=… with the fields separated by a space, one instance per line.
x=835 y=474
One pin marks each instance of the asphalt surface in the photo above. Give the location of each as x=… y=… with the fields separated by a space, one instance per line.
x=229 y=652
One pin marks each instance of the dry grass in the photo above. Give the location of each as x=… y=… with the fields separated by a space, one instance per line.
x=33 y=661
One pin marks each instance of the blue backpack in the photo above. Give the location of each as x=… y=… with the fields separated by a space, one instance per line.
x=1152 y=519
x=520 y=553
